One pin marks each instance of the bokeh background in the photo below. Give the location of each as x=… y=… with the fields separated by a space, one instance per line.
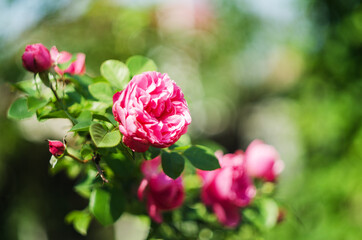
x=288 y=72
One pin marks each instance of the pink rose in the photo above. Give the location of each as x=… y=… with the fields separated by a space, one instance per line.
x=228 y=188
x=262 y=161
x=151 y=110
x=36 y=58
x=56 y=148
x=162 y=192
x=76 y=67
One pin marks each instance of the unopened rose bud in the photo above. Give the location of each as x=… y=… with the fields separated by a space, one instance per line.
x=56 y=148
x=36 y=58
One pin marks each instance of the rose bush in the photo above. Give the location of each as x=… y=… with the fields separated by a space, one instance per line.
x=151 y=111
x=149 y=115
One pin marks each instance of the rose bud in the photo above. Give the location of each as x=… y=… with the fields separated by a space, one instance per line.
x=151 y=111
x=228 y=188
x=76 y=67
x=161 y=192
x=36 y=58
x=56 y=148
x=262 y=161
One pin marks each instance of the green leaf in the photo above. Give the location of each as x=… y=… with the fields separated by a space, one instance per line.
x=269 y=211
x=85 y=116
x=151 y=153
x=172 y=164
x=106 y=117
x=35 y=103
x=202 y=158
x=102 y=138
x=102 y=91
x=116 y=72
x=107 y=206
x=55 y=114
x=80 y=220
x=86 y=152
x=81 y=126
x=19 y=109
x=140 y=64
x=28 y=86
x=85 y=185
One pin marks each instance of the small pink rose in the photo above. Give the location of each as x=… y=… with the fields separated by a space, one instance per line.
x=262 y=161
x=76 y=67
x=151 y=111
x=228 y=188
x=56 y=148
x=36 y=58
x=161 y=192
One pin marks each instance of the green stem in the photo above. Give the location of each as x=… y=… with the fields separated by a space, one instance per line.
x=77 y=159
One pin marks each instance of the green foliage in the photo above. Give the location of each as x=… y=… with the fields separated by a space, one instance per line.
x=116 y=73
x=140 y=64
x=102 y=91
x=202 y=158
x=103 y=138
x=80 y=220
x=106 y=205
x=19 y=109
x=172 y=164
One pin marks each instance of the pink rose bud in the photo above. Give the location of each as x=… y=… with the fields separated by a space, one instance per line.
x=151 y=110
x=76 y=67
x=228 y=188
x=262 y=161
x=56 y=148
x=36 y=58
x=162 y=192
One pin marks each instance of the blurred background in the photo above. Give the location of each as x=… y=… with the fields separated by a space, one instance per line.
x=288 y=72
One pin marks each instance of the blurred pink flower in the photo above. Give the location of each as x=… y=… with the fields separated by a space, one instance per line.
x=151 y=110
x=56 y=148
x=262 y=161
x=76 y=67
x=162 y=192
x=227 y=189
x=36 y=58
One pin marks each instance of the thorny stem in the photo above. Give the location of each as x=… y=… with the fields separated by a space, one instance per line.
x=96 y=160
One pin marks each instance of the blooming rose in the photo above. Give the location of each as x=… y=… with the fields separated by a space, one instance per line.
x=262 y=161
x=36 y=58
x=161 y=191
x=151 y=110
x=56 y=148
x=76 y=67
x=228 y=188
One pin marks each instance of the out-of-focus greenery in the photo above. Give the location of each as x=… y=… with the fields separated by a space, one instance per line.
x=288 y=72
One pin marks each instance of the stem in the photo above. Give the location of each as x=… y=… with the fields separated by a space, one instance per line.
x=74 y=121
x=78 y=159
x=96 y=160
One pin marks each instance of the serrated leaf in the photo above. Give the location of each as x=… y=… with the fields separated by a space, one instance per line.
x=116 y=72
x=107 y=206
x=80 y=220
x=81 y=126
x=19 y=109
x=140 y=64
x=202 y=158
x=35 y=103
x=102 y=138
x=102 y=91
x=172 y=164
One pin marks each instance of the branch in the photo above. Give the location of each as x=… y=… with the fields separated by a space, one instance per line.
x=96 y=160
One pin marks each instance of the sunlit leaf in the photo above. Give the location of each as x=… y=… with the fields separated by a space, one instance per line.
x=116 y=73
x=102 y=138
x=80 y=220
x=202 y=158
x=140 y=64
x=19 y=109
x=102 y=91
